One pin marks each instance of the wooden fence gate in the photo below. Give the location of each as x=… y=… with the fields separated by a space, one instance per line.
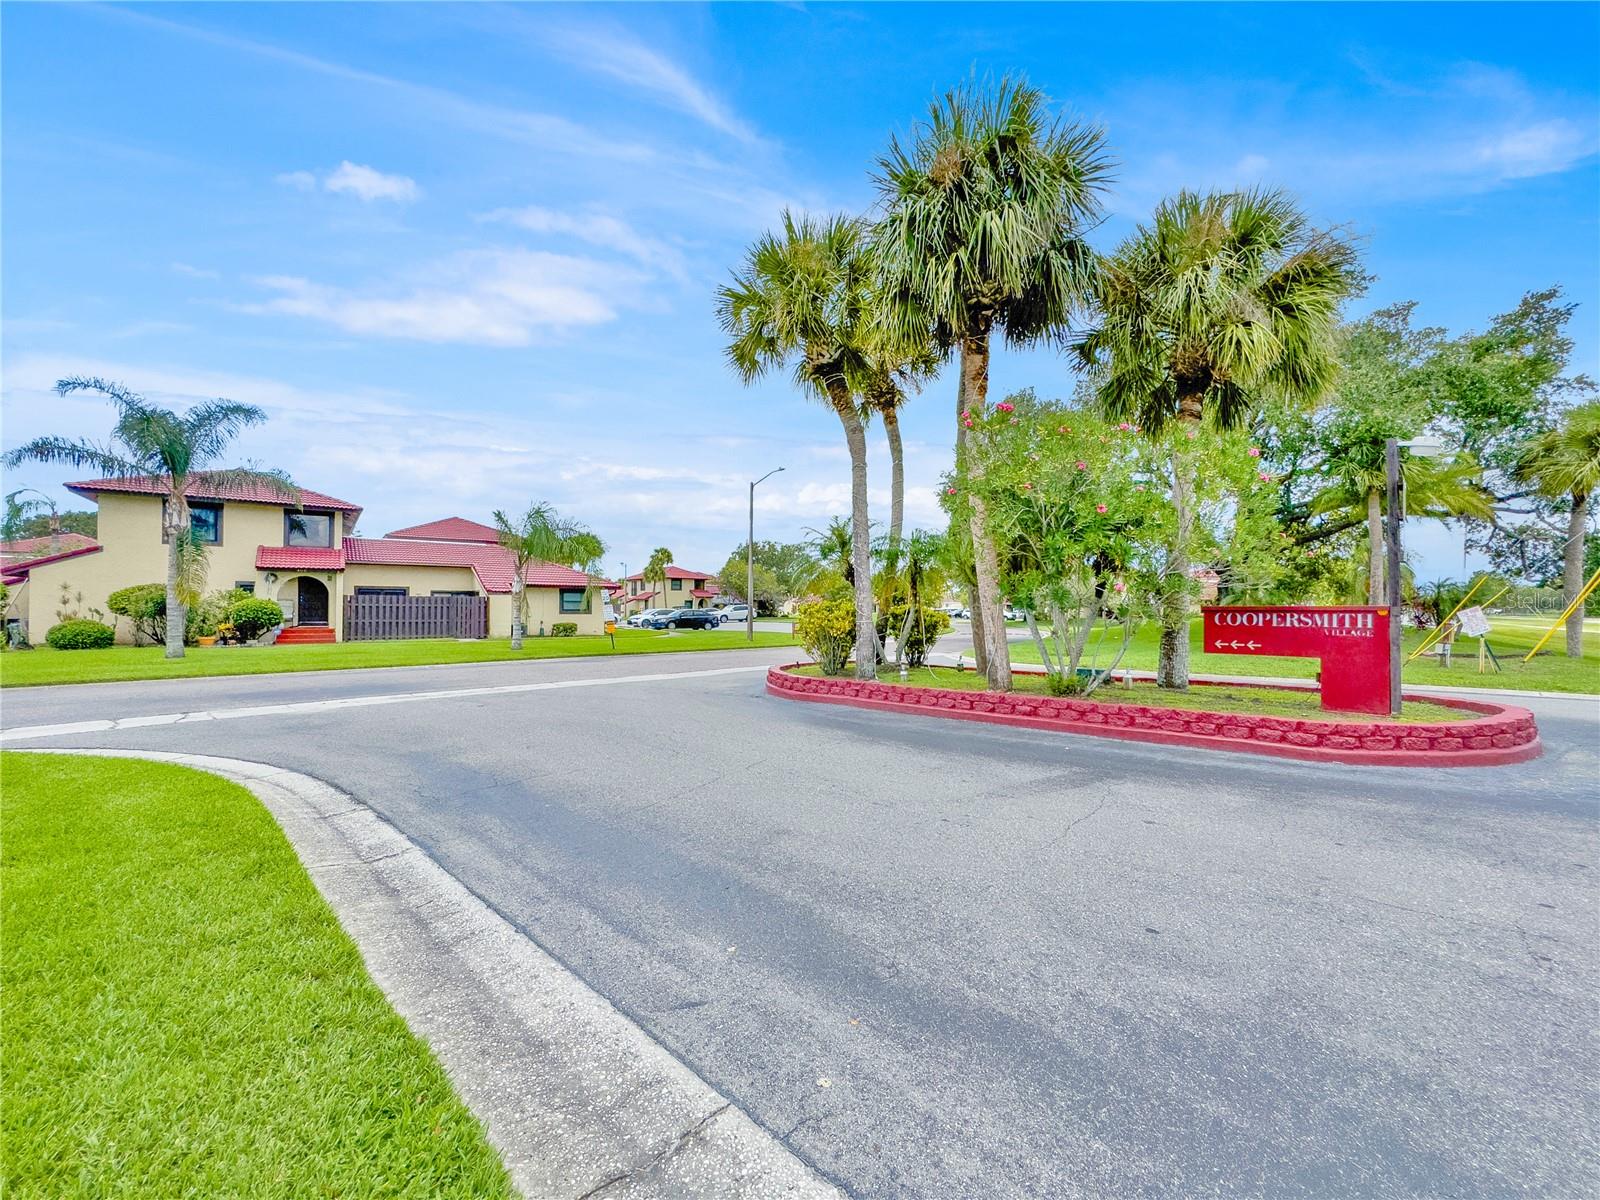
x=375 y=618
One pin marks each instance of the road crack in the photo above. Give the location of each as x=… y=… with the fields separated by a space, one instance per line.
x=655 y=1161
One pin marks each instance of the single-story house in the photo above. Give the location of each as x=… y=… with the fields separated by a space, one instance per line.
x=24 y=549
x=683 y=589
x=305 y=555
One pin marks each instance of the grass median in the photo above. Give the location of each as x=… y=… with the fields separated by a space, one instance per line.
x=1226 y=698
x=184 y=1015
x=1510 y=640
x=42 y=665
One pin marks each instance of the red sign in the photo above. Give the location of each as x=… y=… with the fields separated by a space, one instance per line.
x=1353 y=644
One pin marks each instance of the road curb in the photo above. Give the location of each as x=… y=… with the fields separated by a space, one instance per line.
x=580 y=1101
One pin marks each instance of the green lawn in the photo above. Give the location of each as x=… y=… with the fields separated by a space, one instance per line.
x=185 y=1017
x=1511 y=639
x=42 y=665
x=1263 y=701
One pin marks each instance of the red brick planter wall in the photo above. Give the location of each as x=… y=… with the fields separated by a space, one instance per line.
x=1501 y=734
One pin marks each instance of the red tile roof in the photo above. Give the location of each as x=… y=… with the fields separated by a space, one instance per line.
x=298 y=558
x=637 y=596
x=451 y=529
x=675 y=573
x=704 y=593
x=493 y=566
x=201 y=488
x=15 y=572
x=34 y=547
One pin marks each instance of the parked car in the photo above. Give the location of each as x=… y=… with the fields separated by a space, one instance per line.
x=637 y=621
x=955 y=610
x=734 y=612
x=684 y=618
x=1015 y=614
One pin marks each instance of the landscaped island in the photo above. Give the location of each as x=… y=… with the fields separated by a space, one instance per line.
x=1431 y=731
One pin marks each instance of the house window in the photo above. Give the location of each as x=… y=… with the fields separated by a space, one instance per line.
x=677 y=585
x=383 y=591
x=574 y=600
x=453 y=593
x=244 y=585
x=307 y=528
x=204 y=518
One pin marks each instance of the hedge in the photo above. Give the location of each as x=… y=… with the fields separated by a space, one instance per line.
x=81 y=635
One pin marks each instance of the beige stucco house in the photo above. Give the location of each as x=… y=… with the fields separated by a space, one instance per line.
x=305 y=556
x=684 y=589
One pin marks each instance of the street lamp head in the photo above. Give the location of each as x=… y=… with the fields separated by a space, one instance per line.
x=1426 y=447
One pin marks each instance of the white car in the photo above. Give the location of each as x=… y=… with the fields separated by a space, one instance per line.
x=735 y=612
x=639 y=618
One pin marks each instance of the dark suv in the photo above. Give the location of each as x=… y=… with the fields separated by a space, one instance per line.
x=685 y=618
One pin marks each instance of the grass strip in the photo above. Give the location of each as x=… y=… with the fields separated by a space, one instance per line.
x=184 y=1017
x=1226 y=698
x=43 y=665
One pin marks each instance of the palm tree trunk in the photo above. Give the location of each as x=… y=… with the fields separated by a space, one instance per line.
x=1374 y=546
x=177 y=527
x=986 y=561
x=517 y=585
x=1572 y=570
x=1172 y=664
x=980 y=650
x=855 y=436
x=897 y=483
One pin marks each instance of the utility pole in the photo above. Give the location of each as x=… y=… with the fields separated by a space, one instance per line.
x=750 y=562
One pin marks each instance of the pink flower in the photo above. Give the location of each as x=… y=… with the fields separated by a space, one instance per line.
x=1255 y=451
x=1138 y=487
x=1065 y=429
x=1004 y=407
x=1027 y=487
x=968 y=424
x=1099 y=508
x=1082 y=466
x=1124 y=426
x=1120 y=586
x=1264 y=477
x=949 y=491
x=1189 y=433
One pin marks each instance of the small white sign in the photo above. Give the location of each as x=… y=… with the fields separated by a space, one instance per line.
x=1473 y=622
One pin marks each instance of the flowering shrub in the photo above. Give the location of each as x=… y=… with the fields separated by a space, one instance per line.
x=827 y=629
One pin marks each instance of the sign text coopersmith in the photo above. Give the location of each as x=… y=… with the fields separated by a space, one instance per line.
x=1352 y=643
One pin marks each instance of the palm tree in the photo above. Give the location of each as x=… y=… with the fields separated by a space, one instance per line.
x=983 y=228
x=20 y=512
x=1433 y=488
x=893 y=371
x=1219 y=300
x=540 y=535
x=149 y=441
x=835 y=548
x=655 y=571
x=1564 y=464
x=801 y=301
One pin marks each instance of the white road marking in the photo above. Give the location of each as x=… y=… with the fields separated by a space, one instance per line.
x=28 y=732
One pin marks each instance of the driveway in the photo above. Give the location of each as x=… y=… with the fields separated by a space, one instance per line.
x=942 y=959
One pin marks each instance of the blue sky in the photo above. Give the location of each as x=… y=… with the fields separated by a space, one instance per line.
x=465 y=254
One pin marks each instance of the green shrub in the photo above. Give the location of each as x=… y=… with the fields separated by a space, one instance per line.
x=251 y=618
x=145 y=606
x=564 y=629
x=921 y=635
x=827 y=629
x=81 y=635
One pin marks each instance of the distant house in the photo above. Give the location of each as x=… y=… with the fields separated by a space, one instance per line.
x=684 y=589
x=305 y=556
x=29 y=548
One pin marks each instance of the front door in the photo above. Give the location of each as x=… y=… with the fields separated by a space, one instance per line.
x=312 y=608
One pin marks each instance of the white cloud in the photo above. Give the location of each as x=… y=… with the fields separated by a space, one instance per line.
x=597 y=229
x=611 y=51
x=179 y=268
x=370 y=184
x=353 y=179
x=488 y=297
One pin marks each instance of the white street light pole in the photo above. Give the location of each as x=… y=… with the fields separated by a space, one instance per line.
x=750 y=562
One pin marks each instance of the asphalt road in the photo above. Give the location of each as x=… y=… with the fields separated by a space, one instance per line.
x=947 y=960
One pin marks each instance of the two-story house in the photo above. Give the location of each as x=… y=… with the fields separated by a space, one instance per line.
x=305 y=556
x=683 y=589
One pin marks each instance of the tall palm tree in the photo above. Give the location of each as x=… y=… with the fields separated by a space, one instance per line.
x=20 y=512
x=1433 y=488
x=149 y=441
x=983 y=228
x=801 y=301
x=541 y=535
x=894 y=371
x=655 y=570
x=1217 y=301
x=1564 y=464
